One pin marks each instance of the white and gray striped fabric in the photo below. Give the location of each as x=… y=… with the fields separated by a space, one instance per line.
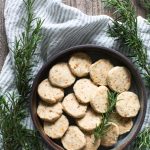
x=63 y=27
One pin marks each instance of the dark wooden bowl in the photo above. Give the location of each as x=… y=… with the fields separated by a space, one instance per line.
x=96 y=52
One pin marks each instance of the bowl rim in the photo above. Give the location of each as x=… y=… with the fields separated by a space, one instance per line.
x=78 y=48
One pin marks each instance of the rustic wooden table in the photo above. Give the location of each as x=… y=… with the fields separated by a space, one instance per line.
x=90 y=7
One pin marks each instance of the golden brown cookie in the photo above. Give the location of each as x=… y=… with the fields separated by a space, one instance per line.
x=111 y=136
x=74 y=139
x=61 y=76
x=99 y=71
x=127 y=104
x=49 y=93
x=72 y=107
x=84 y=90
x=91 y=143
x=99 y=101
x=57 y=129
x=89 y=121
x=48 y=112
x=119 y=79
x=124 y=124
x=79 y=64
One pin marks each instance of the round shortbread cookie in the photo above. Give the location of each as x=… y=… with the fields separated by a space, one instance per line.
x=89 y=121
x=91 y=143
x=84 y=90
x=49 y=93
x=124 y=124
x=79 y=64
x=119 y=79
x=99 y=71
x=61 y=76
x=57 y=129
x=72 y=107
x=111 y=136
x=127 y=104
x=49 y=113
x=99 y=101
x=73 y=139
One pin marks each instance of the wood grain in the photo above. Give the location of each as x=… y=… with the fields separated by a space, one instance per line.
x=97 y=7
x=89 y=7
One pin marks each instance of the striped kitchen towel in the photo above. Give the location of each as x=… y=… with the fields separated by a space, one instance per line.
x=64 y=26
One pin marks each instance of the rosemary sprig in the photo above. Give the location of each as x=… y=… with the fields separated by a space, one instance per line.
x=125 y=29
x=145 y=138
x=24 y=50
x=102 y=128
x=13 y=109
x=15 y=135
x=127 y=33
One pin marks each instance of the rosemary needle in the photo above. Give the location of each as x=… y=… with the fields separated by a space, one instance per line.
x=142 y=141
x=102 y=128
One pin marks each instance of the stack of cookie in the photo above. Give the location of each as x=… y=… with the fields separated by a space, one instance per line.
x=86 y=103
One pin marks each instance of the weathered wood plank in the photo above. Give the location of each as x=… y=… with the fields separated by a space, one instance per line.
x=96 y=7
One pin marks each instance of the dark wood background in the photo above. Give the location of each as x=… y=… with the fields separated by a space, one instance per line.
x=90 y=7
